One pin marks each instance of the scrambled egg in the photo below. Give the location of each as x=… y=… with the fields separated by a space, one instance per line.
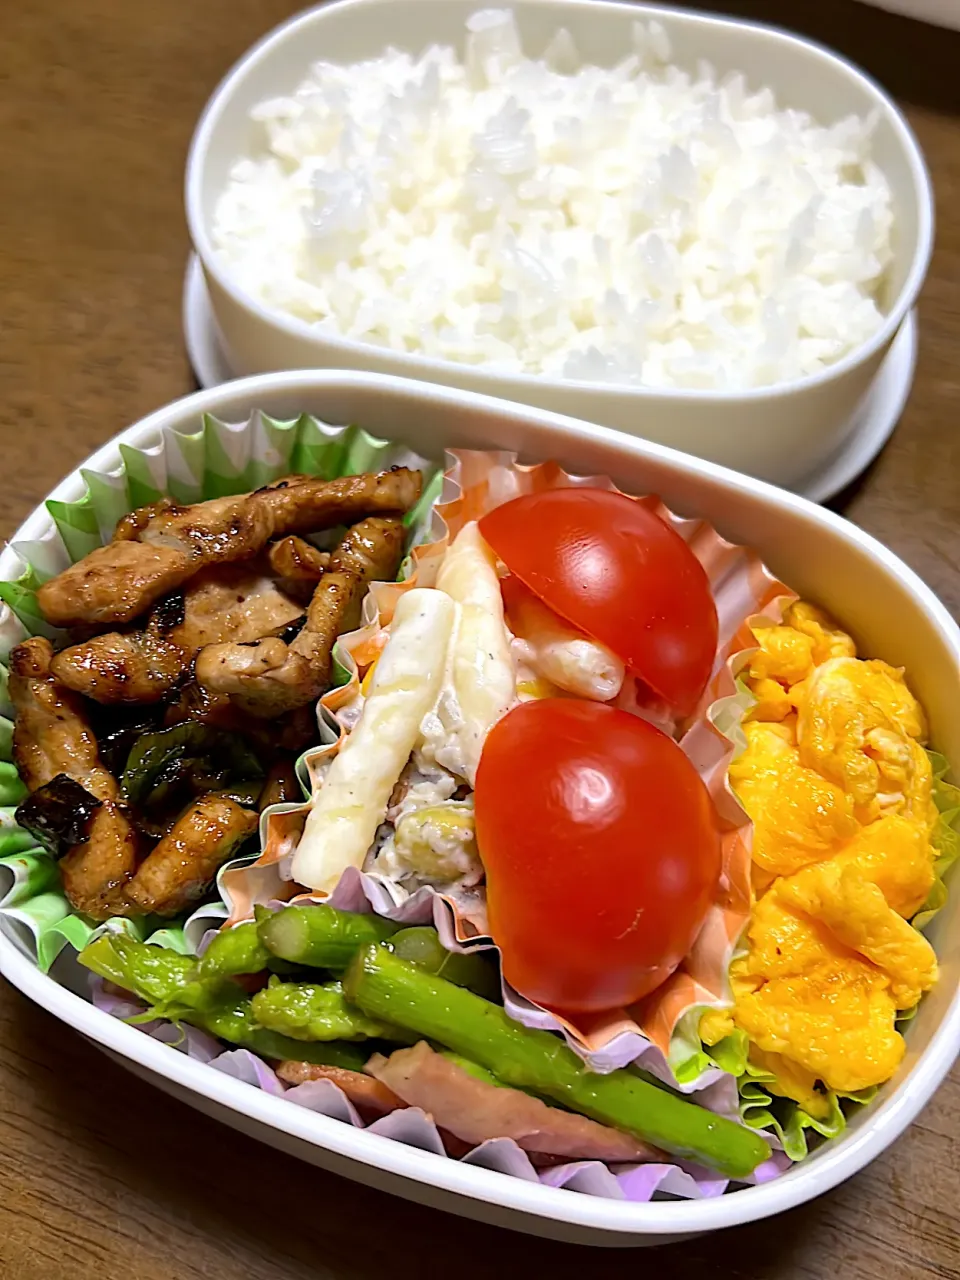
x=798 y=816
x=860 y=726
x=839 y=789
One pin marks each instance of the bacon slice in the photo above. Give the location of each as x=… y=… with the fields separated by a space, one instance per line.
x=371 y=1098
x=476 y=1111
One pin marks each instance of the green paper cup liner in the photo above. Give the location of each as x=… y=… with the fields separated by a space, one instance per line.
x=216 y=460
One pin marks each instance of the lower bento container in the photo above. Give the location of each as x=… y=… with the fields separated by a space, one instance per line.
x=890 y=612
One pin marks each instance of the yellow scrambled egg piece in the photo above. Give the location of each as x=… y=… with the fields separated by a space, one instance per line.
x=793 y=1081
x=788 y=653
x=860 y=726
x=784 y=655
x=894 y=854
x=859 y=918
x=798 y=816
x=828 y=640
x=839 y=788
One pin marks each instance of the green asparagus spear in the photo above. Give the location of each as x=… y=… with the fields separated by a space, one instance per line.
x=421 y=946
x=231 y=1018
x=166 y=980
x=234 y=951
x=313 y=1011
x=156 y=974
x=385 y=986
x=481 y=1073
x=471 y=1068
x=321 y=937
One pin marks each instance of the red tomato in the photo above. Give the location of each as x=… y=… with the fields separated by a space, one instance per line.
x=619 y=573
x=601 y=850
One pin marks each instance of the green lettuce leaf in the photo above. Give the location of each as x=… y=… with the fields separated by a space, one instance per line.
x=946 y=838
x=787 y=1119
x=689 y=1057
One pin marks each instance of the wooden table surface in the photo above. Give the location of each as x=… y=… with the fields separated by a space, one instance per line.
x=100 y=1174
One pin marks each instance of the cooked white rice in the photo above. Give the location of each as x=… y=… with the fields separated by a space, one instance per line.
x=640 y=224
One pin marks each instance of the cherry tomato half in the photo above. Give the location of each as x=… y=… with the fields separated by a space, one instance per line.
x=619 y=573
x=601 y=850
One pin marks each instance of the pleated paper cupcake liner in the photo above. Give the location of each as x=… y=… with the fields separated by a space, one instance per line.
x=744 y=590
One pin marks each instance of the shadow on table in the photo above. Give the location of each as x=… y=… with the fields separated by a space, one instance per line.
x=841 y=502
x=198 y=1199
x=915 y=62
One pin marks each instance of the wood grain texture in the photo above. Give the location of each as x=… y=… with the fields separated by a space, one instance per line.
x=97 y=102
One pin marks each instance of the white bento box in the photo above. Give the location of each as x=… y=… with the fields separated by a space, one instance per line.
x=886 y=606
